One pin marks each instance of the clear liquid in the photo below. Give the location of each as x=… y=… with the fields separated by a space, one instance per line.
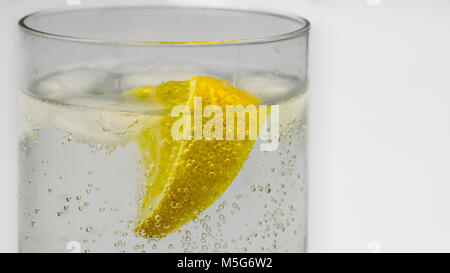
x=80 y=171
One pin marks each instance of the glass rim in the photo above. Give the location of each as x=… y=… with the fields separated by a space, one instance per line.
x=303 y=29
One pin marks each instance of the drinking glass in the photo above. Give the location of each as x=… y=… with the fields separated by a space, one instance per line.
x=163 y=129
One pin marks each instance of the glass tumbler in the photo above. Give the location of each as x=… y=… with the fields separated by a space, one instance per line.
x=163 y=129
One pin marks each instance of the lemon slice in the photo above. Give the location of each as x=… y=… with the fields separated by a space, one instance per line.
x=184 y=177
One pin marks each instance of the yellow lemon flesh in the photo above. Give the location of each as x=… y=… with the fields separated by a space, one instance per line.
x=184 y=177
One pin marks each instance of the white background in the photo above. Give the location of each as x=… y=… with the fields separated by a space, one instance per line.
x=379 y=126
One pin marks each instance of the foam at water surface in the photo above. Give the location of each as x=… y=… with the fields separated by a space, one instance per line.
x=102 y=88
x=88 y=102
